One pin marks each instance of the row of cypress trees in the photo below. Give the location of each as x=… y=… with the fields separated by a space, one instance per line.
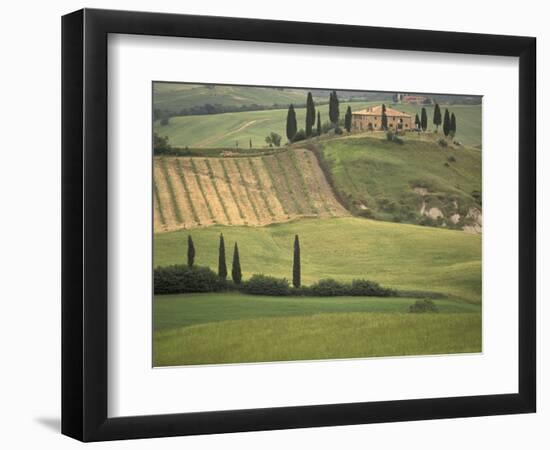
x=312 y=115
x=449 y=121
x=236 y=272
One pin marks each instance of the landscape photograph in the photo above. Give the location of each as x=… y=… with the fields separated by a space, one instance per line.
x=303 y=224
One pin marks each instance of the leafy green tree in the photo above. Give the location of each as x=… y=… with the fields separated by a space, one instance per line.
x=347 y=120
x=160 y=144
x=273 y=139
x=417 y=121
x=296 y=264
x=291 y=126
x=424 y=119
x=384 y=118
x=446 y=123
x=310 y=114
x=453 y=125
x=319 y=127
x=190 y=251
x=437 y=117
x=334 y=108
x=236 y=273
x=222 y=267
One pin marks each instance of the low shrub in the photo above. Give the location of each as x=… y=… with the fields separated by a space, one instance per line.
x=338 y=130
x=329 y=288
x=366 y=288
x=451 y=159
x=265 y=285
x=442 y=143
x=423 y=306
x=392 y=137
x=180 y=279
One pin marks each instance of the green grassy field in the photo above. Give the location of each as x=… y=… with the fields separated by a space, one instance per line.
x=400 y=256
x=177 y=96
x=223 y=130
x=380 y=175
x=318 y=336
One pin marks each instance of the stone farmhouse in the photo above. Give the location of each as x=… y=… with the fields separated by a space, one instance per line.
x=371 y=119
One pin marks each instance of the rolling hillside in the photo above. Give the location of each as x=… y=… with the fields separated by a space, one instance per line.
x=401 y=256
x=225 y=130
x=415 y=182
x=198 y=192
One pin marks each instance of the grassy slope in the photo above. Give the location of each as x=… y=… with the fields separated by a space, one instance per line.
x=178 y=96
x=395 y=255
x=468 y=120
x=320 y=336
x=220 y=130
x=174 y=311
x=380 y=174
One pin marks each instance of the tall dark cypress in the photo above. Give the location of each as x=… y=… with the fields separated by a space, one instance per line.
x=384 y=118
x=453 y=125
x=424 y=119
x=437 y=116
x=417 y=121
x=291 y=126
x=319 y=128
x=310 y=114
x=190 y=251
x=446 y=123
x=296 y=265
x=222 y=267
x=347 y=121
x=236 y=273
x=334 y=108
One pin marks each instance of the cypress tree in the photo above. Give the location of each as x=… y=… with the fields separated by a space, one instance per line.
x=437 y=117
x=384 y=118
x=310 y=114
x=446 y=123
x=424 y=119
x=291 y=126
x=190 y=251
x=453 y=125
x=319 y=128
x=236 y=273
x=417 y=121
x=222 y=268
x=296 y=269
x=347 y=121
x=334 y=108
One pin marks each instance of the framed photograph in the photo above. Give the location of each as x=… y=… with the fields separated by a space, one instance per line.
x=273 y=225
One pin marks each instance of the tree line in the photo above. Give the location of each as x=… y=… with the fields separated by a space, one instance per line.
x=313 y=125
x=236 y=271
x=448 y=121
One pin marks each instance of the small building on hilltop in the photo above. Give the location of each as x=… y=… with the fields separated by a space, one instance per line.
x=412 y=99
x=371 y=119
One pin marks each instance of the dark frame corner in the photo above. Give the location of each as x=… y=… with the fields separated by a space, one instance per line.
x=84 y=224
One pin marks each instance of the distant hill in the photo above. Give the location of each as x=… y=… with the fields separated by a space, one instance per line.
x=171 y=99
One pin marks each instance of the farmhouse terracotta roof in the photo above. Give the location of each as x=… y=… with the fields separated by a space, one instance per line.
x=377 y=111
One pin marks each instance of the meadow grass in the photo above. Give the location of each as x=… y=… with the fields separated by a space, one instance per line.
x=319 y=336
x=224 y=130
x=179 y=310
x=381 y=175
x=400 y=256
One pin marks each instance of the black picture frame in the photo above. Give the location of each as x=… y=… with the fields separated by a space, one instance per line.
x=84 y=224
